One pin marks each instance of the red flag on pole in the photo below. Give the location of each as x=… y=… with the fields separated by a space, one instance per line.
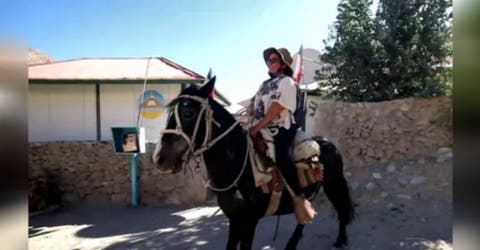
x=298 y=68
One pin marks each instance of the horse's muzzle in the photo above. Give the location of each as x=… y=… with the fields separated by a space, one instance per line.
x=166 y=166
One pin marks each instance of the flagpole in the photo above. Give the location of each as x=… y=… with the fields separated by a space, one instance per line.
x=304 y=122
x=298 y=70
x=297 y=76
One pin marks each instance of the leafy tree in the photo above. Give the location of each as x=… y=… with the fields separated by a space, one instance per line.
x=403 y=50
x=352 y=52
x=414 y=36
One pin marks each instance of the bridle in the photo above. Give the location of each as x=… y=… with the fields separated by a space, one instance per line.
x=197 y=154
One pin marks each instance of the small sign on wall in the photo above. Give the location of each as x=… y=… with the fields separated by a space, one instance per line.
x=152 y=105
x=128 y=140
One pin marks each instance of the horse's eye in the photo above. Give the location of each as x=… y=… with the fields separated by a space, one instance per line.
x=184 y=103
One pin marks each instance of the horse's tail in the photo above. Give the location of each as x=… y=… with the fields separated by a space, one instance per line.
x=335 y=185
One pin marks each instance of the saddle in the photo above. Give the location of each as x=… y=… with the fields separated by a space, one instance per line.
x=306 y=153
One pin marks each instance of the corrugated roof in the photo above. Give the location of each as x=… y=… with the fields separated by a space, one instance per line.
x=160 y=68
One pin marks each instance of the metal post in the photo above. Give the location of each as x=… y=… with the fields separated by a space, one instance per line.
x=133 y=174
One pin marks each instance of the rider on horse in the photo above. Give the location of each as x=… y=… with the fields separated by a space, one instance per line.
x=272 y=108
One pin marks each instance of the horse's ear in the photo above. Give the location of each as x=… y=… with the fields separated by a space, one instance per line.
x=209 y=75
x=208 y=87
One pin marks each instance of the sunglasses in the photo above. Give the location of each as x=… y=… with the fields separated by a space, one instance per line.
x=272 y=60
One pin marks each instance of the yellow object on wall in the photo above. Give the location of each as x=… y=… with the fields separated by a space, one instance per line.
x=152 y=105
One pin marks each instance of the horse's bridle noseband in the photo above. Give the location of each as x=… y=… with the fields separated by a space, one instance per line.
x=191 y=153
x=205 y=108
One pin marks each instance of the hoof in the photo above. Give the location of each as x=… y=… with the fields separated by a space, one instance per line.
x=340 y=245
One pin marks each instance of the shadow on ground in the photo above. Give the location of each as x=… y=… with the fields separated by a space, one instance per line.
x=165 y=227
x=391 y=222
x=202 y=233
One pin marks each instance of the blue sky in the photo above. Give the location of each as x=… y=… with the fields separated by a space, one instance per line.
x=228 y=36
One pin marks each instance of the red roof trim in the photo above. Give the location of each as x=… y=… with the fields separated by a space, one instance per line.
x=179 y=67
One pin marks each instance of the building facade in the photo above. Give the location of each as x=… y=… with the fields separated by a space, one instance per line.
x=80 y=100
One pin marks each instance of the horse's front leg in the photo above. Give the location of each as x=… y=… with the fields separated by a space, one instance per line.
x=234 y=234
x=241 y=230
x=248 y=233
x=295 y=238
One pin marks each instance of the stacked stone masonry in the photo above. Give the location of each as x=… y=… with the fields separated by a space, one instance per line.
x=374 y=139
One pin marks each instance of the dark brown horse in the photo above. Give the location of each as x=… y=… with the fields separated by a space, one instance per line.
x=198 y=127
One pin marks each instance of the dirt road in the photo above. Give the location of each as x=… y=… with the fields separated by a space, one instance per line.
x=425 y=225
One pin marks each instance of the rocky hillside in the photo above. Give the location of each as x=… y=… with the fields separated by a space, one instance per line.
x=38 y=57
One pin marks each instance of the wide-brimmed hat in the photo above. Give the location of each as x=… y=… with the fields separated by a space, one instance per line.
x=284 y=56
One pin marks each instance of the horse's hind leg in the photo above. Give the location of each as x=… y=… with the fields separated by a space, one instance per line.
x=336 y=189
x=295 y=238
x=338 y=194
x=342 y=239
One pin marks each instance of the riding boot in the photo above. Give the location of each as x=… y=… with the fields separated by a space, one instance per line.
x=304 y=211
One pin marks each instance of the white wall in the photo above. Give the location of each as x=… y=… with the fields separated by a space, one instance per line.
x=313 y=103
x=67 y=112
x=61 y=112
x=118 y=108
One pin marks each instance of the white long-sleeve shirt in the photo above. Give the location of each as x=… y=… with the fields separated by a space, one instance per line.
x=279 y=89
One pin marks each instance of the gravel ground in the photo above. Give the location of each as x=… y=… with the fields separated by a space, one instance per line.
x=424 y=225
x=400 y=205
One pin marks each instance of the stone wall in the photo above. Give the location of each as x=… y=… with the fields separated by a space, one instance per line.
x=380 y=142
x=91 y=172
x=369 y=133
x=426 y=178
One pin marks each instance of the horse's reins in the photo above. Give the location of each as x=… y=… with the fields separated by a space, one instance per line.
x=197 y=155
